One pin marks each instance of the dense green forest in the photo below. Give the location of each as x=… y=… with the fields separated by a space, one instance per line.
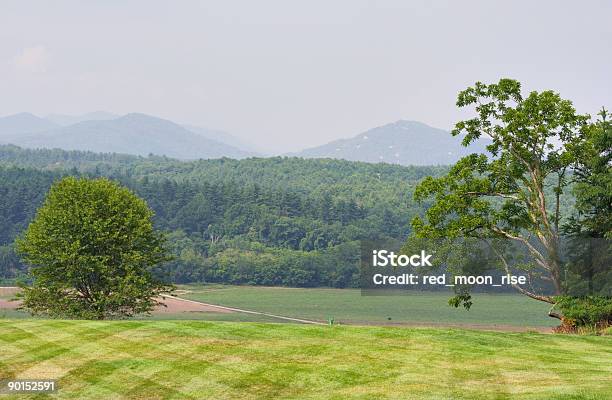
x=268 y=221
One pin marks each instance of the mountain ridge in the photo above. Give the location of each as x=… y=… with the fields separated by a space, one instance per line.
x=66 y=119
x=133 y=133
x=401 y=142
x=22 y=123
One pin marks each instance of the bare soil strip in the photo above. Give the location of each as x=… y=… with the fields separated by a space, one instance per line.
x=177 y=305
x=9 y=305
x=6 y=297
x=9 y=291
x=173 y=304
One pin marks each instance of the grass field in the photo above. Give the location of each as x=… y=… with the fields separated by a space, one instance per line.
x=348 y=306
x=222 y=360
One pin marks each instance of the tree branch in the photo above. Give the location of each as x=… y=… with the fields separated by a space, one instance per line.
x=537 y=255
x=496 y=194
x=546 y=299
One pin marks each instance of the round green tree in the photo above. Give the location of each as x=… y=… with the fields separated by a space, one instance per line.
x=91 y=249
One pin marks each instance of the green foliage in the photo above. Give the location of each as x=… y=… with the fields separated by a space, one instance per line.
x=239 y=261
x=590 y=226
x=10 y=263
x=504 y=195
x=463 y=298
x=587 y=311
x=21 y=192
x=91 y=247
x=593 y=188
x=280 y=211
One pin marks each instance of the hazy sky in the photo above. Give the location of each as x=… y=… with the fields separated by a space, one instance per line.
x=291 y=74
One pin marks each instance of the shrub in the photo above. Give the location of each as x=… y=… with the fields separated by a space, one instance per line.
x=585 y=313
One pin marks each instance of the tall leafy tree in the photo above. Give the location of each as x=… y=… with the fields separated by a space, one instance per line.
x=590 y=229
x=503 y=195
x=593 y=175
x=91 y=247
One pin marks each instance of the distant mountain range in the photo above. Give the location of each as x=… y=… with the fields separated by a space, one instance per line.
x=134 y=133
x=23 y=123
x=402 y=142
x=65 y=120
x=223 y=137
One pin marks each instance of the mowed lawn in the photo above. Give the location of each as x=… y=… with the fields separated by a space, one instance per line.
x=225 y=360
x=349 y=306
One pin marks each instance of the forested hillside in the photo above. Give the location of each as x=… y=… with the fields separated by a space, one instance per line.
x=273 y=221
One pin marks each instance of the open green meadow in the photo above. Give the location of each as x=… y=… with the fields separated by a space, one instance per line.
x=200 y=355
x=221 y=360
x=349 y=306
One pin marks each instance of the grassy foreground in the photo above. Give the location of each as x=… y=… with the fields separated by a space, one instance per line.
x=223 y=360
x=349 y=306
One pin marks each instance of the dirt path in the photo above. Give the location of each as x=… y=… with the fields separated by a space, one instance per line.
x=233 y=309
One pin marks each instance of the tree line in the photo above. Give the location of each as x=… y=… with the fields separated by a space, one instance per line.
x=278 y=221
